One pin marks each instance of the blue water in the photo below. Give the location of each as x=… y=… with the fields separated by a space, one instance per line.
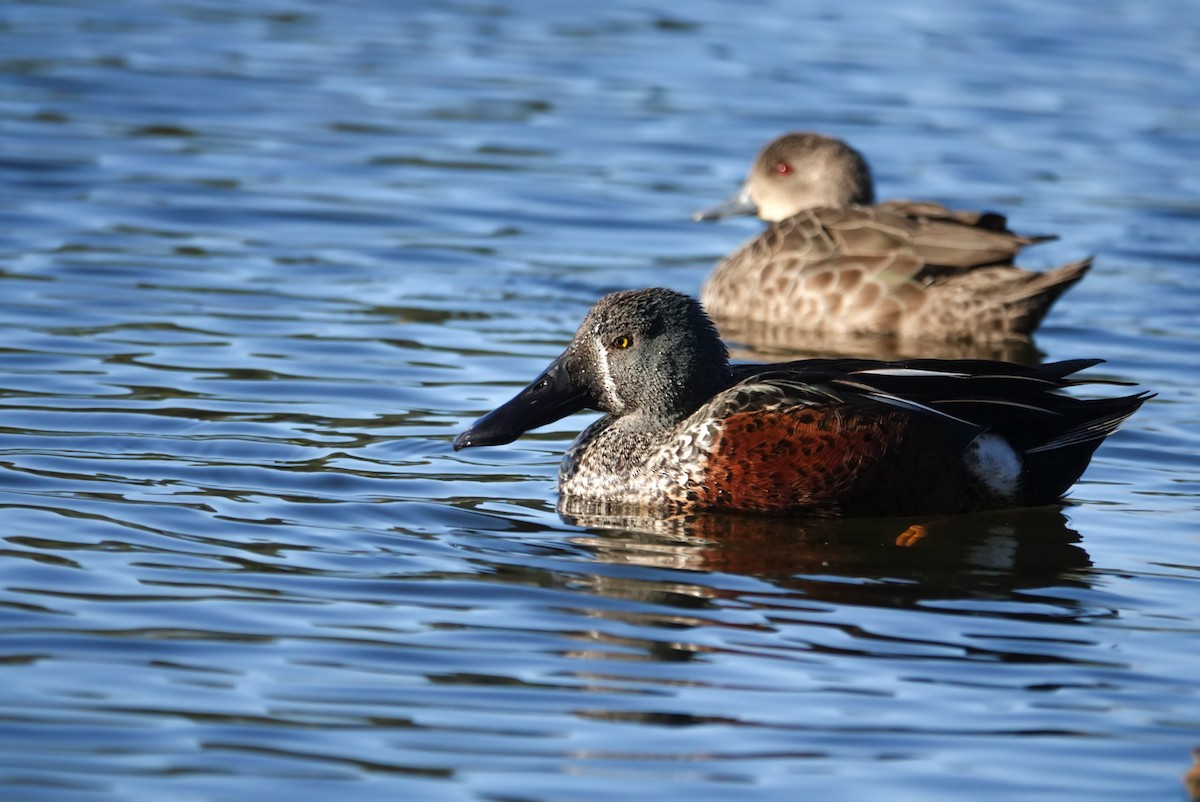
x=261 y=261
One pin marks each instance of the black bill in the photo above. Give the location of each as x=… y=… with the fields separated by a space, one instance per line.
x=550 y=397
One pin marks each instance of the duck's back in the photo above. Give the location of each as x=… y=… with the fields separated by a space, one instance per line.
x=900 y=268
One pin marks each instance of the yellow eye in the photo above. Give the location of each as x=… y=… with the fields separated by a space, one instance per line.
x=621 y=342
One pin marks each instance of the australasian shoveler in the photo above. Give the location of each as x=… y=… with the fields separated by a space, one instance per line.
x=833 y=261
x=685 y=430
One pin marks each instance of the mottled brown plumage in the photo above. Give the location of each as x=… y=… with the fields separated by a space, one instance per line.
x=832 y=261
x=798 y=456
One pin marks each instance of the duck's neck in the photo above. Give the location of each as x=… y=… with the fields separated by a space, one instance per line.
x=679 y=399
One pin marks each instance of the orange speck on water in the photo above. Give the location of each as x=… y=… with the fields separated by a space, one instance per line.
x=911 y=536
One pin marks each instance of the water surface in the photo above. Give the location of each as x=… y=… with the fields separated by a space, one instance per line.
x=259 y=262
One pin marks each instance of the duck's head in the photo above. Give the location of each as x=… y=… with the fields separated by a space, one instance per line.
x=797 y=172
x=651 y=356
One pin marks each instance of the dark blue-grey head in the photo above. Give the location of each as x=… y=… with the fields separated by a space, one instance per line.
x=649 y=355
x=797 y=172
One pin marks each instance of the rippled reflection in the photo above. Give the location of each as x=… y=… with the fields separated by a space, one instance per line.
x=769 y=343
x=889 y=562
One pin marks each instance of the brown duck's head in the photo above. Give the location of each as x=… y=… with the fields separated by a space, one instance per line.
x=797 y=172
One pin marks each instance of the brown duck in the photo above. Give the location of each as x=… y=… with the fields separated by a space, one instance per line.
x=833 y=261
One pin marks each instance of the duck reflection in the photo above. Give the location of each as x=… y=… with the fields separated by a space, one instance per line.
x=892 y=561
x=763 y=342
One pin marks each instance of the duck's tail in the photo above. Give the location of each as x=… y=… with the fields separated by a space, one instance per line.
x=1030 y=301
x=1054 y=465
x=993 y=304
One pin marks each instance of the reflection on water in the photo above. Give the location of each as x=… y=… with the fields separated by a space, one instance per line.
x=259 y=262
x=772 y=343
x=889 y=562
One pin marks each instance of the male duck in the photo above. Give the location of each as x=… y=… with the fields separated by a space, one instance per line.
x=685 y=430
x=832 y=262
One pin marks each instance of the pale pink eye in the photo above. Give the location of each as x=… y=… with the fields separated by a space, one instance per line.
x=783 y=168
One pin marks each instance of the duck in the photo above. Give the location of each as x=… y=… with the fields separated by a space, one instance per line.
x=685 y=430
x=1191 y=780
x=833 y=261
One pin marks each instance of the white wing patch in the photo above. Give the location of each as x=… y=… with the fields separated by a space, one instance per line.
x=896 y=401
x=994 y=463
x=914 y=372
